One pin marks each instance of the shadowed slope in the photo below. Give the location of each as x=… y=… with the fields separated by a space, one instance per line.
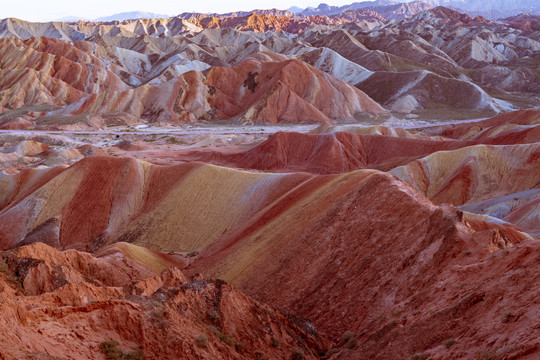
x=527 y=217
x=419 y=90
x=519 y=208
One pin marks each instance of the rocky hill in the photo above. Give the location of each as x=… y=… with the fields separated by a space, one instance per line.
x=70 y=304
x=410 y=223
x=355 y=182
x=490 y=65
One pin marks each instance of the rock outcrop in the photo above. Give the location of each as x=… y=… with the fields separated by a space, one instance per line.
x=70 y=304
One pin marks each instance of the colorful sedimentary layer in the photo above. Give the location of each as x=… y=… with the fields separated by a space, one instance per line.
x=261 y=232
x=162 y=241
x=183 y=208
x=255 y=91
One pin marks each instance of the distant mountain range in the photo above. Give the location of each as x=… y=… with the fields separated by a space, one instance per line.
x=491 y=9
x=131 y=15
x=487 y=5
x=325 y=9
x=71 y=19
x=389 y=9
x=295 y=9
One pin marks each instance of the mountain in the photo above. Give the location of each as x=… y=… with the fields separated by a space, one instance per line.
x=365 y=231
x=295 y=9
x=388 y=9
x=400 y=11
x=242 y=14
x=271 y=185
x=479 y=5
x=525 y=22
x=134 y=59
x=384 y=9
x=491 y=9
x=131 y=16
x=263 y=22
x=325 y=9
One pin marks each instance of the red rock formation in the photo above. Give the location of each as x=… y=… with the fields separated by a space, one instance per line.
x=345 y=151
x=526 y=217
x=359 y=15
x=525 y=22
x=377 y=260
x=272 y=92
x=518 y=127
x=454 y=18
x=252 y=91
x=328 y=153
x=101 y=200
x=357 y=251
x=70 y=304
x=474 y=173
x=268 y=22
x=359 y=255
x=42 y=70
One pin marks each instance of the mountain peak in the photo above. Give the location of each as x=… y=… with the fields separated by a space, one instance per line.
x=130 y=15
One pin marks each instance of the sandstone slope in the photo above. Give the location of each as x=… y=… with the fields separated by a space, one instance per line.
x=382 y=271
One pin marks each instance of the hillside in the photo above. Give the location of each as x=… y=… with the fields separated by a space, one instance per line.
x=341 y=182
